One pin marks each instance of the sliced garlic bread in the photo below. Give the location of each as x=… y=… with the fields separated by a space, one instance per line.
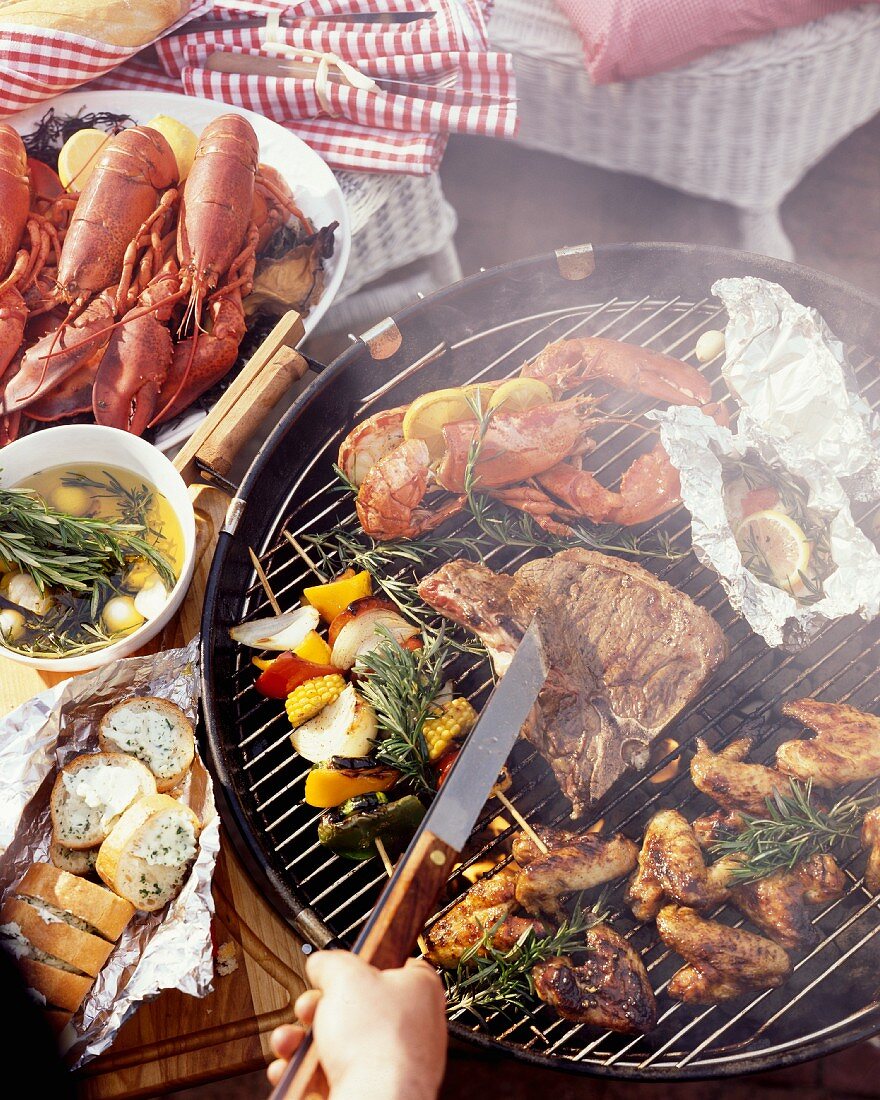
x=146 y=857
x=48 y=932
x=83 y=904
x=156 y=732
x=78 y=861
x=90 y=794
x=61 y=988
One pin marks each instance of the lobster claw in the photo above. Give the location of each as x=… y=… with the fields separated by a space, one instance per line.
x=203 y=358
x=131 y=374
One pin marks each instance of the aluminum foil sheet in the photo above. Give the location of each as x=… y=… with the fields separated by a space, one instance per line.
x=791 y=377
x=171 y=949
x=798 y=411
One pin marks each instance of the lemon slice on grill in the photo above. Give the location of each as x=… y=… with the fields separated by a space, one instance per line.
x=78 y=157
x=429 y=413
x=518 y=394
x=182 y=140
x=771 y=542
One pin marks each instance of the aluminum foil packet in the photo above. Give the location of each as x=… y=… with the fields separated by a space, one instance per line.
x=171 y=949
x=797 y=412
x=795 y=386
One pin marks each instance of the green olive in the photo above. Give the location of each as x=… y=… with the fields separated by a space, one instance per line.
x=120 y=615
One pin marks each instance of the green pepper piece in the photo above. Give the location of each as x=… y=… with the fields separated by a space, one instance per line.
x=352 y=830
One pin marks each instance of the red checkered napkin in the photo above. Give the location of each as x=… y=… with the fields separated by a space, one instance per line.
x=352 y=127
x=36 y=64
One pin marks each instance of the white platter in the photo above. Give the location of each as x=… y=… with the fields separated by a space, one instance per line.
x=308 y=176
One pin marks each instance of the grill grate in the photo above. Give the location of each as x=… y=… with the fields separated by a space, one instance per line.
x=834 y=987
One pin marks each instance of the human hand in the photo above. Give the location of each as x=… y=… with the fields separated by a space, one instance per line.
x=379 y=1034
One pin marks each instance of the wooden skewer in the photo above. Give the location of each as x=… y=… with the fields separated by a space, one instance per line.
x=521 y=821
x=305 y=557
x=264 y=581
x=389 y=871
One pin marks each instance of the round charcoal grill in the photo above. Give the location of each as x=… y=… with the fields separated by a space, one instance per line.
x=486 y=327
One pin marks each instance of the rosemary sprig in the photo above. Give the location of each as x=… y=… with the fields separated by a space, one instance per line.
x=402 y=686
x=514 y=528
x=488 y=977
x=338 y=547
x=55 y=548
x=793 y=830
x=133 y=504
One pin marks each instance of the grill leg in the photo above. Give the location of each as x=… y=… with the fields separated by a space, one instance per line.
x=761 y=231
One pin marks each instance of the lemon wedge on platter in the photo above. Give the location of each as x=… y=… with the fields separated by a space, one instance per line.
x=78 y=157
x=773 y=542
x=182 y=140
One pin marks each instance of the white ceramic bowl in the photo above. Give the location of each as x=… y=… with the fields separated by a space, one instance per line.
x=89 y=443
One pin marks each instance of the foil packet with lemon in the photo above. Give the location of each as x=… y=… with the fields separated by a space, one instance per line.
x=771 y=503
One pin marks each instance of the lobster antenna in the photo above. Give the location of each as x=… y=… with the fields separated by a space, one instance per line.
x=193 y=309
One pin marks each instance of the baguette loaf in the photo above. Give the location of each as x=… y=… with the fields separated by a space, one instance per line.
x=47 y=931
x=156 y=732
x=149 y=851
x=116 y=22
x=61 y=988
x=98 y=908
x=90 y=794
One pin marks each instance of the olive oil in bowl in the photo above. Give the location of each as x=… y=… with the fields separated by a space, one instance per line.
x=108 y=548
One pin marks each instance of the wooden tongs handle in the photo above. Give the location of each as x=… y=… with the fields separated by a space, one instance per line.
x=386 y=942
x=273 y=367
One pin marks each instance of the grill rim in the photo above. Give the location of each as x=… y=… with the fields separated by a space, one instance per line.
x=828 y=294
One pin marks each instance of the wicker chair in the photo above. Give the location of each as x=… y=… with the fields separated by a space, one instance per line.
x=741 y=125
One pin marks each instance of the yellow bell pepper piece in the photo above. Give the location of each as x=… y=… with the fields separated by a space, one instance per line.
x=326 y=787
x=333 y=598
x=262 y=663
x=314 y=649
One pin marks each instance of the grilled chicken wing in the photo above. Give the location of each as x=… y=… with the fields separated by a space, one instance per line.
x=610 y=989
x=489 y=902
x=710 y=828
x=671 y=866
x=779 y=904
x=846 y=748
x=577 y=863
x=734 y=784
x=723 y=962
x=871 y=841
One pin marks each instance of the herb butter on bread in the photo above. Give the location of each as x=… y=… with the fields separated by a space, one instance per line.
x=91 y=793
x=148 y=853
x=154 y=731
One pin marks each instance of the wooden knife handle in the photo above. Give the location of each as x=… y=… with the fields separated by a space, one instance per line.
x=272 y=368
x=386 y=942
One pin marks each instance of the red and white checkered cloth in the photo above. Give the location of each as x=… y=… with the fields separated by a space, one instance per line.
x=36 y=64
x=400 y=131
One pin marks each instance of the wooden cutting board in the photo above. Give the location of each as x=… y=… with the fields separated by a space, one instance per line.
x=178 y=1040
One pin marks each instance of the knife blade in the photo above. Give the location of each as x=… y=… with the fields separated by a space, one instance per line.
x=475 y=771
x=407 y=900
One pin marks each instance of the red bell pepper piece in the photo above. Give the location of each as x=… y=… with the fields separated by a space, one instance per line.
x=286 y=673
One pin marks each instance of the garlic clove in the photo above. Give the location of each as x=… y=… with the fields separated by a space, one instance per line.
x=152 y=598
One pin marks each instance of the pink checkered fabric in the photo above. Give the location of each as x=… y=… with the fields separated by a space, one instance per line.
x=37 y=64
x=627 y=39
x=402 y=131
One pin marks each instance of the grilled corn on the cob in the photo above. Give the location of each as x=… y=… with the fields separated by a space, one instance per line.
x=455 y=719
x=312 y=696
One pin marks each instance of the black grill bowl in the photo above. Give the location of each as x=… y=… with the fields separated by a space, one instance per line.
x=487 y=326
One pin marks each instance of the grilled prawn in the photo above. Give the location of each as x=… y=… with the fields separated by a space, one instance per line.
x=529 y=460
